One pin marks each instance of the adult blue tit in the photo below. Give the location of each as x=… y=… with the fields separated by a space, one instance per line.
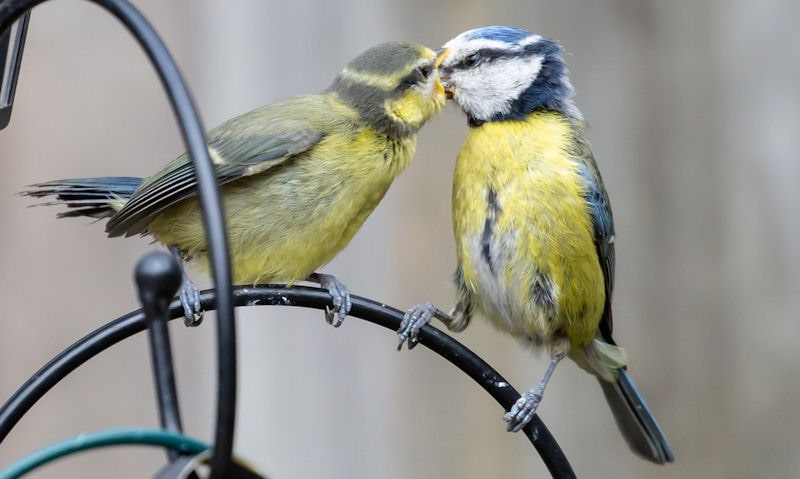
x=298 y=178
x=532 y=221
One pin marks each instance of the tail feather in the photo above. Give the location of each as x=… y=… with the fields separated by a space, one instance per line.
x=640 y=428
x=91 y=197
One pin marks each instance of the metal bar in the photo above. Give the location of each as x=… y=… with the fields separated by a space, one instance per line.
x=213 y=219
x=158 y=277
x=372 y=311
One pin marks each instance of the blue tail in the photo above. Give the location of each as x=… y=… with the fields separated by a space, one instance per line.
x=637 y=423
x=92 y=197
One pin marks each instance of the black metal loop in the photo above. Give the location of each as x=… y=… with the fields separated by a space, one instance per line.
x=213 y=219
x=372 y=311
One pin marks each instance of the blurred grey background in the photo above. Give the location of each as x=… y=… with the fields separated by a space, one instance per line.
x=694 y=109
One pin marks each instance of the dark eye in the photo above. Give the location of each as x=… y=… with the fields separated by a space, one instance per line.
x=471 y=60
x=425 y=70
x=419 y=75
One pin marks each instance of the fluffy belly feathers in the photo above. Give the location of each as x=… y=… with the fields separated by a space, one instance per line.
x=523 y=232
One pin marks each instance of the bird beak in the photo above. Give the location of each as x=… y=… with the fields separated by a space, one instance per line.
x=444 y=77
x=441 y=54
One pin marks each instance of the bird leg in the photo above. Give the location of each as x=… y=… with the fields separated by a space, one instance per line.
x=340 y=297
x=422 y=314
x=414 y=319
x=189 y=295
x=523 y=410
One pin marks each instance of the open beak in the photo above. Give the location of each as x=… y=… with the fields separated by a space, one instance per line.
x=441 y=54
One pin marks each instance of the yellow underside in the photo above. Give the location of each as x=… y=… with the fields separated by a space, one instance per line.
x=543 y=228
x=287 y=222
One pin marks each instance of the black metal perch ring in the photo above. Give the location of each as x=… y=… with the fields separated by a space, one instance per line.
x=374 y=312
x=194 y=137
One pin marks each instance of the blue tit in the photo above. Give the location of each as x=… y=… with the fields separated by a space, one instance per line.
x=532 y=222
x=298 y=177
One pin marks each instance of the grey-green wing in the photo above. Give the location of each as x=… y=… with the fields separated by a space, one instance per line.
x=243 y=146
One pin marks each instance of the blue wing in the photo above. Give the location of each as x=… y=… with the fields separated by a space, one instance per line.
x=603 y=223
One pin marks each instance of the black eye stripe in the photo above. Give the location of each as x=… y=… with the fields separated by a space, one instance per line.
x=470 y=60
x=418 y=75
x=411 y=79
x=488 y=55
x=493 y=53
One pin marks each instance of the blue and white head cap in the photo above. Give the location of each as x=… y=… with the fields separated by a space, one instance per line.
x=504 y=73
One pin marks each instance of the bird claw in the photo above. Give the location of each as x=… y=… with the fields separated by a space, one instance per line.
x=413 y=321
x=190 y=300
x=329 y=316
x=340 y=298
x=523 y=410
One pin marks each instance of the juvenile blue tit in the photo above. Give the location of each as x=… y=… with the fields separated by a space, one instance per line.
x=533 y=226
x=298 y=177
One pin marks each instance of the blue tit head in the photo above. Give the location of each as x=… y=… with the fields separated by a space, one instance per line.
x=503 y=73
x=394 y=87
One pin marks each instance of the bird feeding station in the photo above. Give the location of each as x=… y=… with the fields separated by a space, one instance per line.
x=158 y=277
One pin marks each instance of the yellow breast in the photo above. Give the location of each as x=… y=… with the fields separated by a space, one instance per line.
x=523 y=231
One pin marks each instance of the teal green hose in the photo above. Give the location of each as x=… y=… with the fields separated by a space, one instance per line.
x=111 y=437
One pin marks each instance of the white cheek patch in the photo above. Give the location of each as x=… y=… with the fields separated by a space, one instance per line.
x=427 y=87
x=490 y=88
